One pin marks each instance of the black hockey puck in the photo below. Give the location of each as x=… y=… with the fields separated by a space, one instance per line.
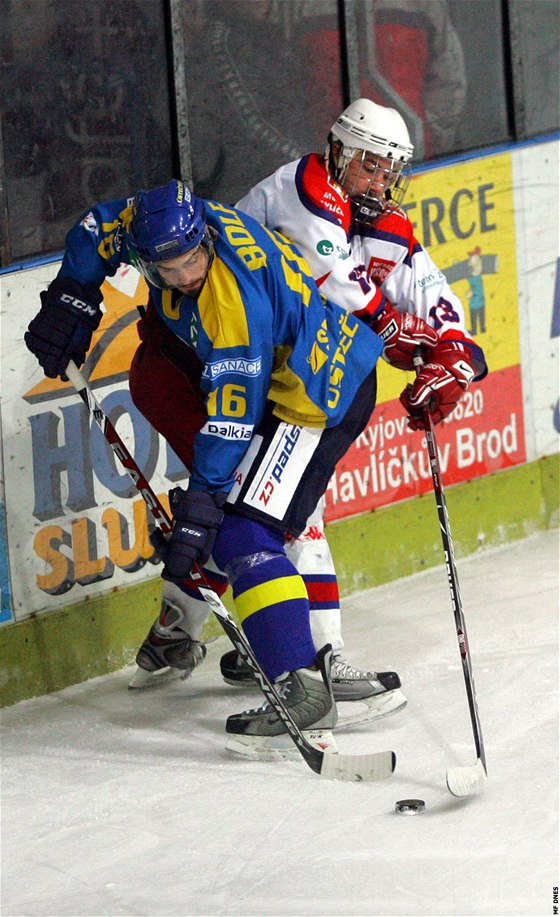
x=410 y=806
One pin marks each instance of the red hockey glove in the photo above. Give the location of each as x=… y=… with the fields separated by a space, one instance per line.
x=401 y=334
x=439 y=385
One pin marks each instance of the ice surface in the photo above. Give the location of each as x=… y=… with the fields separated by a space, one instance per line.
x=125 y=803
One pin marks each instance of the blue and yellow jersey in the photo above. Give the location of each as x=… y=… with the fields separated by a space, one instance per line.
x=260 y=328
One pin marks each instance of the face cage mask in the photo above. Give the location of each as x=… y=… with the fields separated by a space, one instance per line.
x=371 y=204
x=149 y=270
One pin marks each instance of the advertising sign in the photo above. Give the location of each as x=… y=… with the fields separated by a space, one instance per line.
x=464 y=215
x=75 y=523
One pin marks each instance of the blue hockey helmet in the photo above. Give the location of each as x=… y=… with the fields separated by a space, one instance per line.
x=166 y=222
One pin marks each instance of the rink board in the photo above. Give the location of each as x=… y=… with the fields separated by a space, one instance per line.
x=55 y=649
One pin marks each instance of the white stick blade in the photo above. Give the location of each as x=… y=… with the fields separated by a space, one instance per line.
x=358 y=768
x=466 y=781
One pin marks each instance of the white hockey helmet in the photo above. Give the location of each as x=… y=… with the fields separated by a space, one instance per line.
x=367 y=128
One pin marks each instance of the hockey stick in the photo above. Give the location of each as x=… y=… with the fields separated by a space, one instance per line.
x=375 y=766
x=461 y=781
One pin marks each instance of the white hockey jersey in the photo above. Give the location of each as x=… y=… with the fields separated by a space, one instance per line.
x=353 y=264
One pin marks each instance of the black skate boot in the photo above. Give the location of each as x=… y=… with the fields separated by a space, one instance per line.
x=307 y=694
x=379 y=692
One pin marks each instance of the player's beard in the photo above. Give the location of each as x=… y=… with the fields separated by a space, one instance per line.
x=194 y=288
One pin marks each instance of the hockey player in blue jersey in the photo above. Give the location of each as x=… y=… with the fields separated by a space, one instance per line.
x=289 y=382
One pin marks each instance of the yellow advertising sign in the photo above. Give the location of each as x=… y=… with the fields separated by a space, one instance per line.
x=464 y=216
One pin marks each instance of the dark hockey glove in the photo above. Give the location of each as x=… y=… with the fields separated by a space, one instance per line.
x=197 y=516
x=401 y=334
x=159 y=543
x=439 y=385
x=62 y=329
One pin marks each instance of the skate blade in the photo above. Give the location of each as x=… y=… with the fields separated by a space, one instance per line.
x=352 y=713
x=241 y=682
x=144 y=679
x=279 y=747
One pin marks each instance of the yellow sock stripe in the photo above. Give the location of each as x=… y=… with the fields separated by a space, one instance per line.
x=271 y=593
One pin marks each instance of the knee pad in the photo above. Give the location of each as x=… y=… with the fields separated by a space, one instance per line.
x=239 y=537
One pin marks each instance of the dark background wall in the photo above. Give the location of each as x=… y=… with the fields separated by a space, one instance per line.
x=99 y=99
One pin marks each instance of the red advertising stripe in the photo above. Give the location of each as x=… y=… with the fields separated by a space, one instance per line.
x=388 y=463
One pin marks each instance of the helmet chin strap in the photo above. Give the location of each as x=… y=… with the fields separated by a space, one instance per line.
x=208 y=243
x=332 y=155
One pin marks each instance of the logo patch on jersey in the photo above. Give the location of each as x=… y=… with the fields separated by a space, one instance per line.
x=332 y=206
x=227 y=430
x=325 y=247
x=239 y=366
x=90 y=224
x=379 y=269
x=317 y=358
x=272 y=483
x=431 y=280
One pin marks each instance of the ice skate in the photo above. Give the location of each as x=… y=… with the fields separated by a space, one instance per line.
x=167 y=652
x=379 y=693
x=307 y=694
x=373 y=695
x=236 y=672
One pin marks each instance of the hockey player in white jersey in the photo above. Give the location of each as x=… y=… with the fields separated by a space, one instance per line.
x=343 y=212
x=342 y=209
